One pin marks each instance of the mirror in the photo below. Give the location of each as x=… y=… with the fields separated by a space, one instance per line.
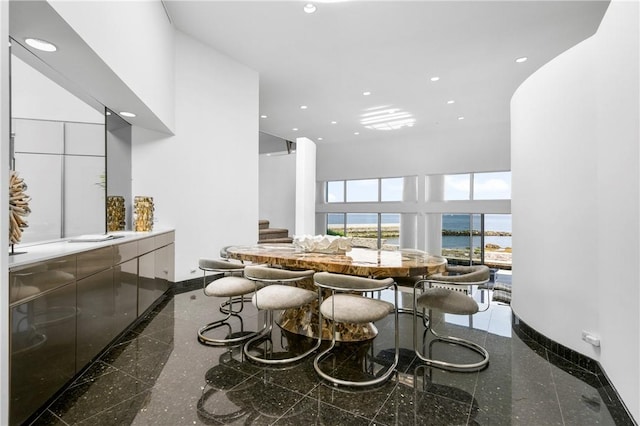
x=58 y=148
x=119 y=165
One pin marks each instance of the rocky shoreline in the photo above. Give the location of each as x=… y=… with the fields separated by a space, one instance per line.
x=393 y=231
x=475 y=233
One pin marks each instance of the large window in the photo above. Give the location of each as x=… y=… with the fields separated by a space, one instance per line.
x=477 y=238
x=372 y=230
x=492 y=186
x=391 y=189
x=365 y=190
x=478 y=186
x=362 y=190
x=390 y=229
x=457 y=187
x=466 y=238
x=336 y=224
x=335 y=192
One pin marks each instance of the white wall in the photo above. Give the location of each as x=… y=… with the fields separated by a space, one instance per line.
x=278 y=190
x=575 y=201
x=204 y=180
x=123 y=33
x=475 y=148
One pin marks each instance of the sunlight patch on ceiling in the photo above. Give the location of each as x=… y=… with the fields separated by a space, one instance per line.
x=386 y=118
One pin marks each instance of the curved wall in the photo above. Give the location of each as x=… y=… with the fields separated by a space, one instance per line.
x=575 y=199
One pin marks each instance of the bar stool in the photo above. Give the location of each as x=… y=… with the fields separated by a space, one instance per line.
x=232 y=286
x=278 y=292
x=344 y=306
x=448 y=300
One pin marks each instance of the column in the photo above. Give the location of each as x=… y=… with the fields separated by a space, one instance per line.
x=433 y=221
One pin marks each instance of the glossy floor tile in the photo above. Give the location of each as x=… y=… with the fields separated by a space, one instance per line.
x=158 y=374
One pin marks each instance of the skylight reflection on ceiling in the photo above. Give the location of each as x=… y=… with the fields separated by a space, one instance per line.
x=386 y=118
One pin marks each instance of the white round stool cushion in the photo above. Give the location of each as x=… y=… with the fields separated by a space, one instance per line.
x=449 y=301
x=355 y=309
x=229 y=287
x=277 y=296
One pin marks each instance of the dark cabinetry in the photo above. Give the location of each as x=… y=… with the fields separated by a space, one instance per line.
x=43 y=343
x=65 y=311
x=96 y=316
x=125 y=282
x=146 y=281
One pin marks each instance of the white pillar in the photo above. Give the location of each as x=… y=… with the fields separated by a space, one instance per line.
x=433 y=221
x=321 y=218
x=408 y=222
x=305 y=187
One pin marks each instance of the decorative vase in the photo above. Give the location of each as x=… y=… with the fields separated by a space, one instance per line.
x=143 y=209
x=115 y=213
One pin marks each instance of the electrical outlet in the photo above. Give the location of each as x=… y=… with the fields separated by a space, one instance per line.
x=590 y=338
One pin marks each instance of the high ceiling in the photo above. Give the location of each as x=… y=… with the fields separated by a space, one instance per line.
x=326 y=60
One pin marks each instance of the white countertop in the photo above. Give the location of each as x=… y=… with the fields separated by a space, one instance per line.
x=32 y=253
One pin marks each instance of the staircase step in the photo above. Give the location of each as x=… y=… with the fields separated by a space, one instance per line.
x=263 y=224
x=276 y=240
x=273 y=233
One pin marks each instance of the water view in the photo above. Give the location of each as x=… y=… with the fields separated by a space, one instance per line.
x=456 y=230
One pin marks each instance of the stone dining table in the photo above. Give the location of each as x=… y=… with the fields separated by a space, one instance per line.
x=358 y=261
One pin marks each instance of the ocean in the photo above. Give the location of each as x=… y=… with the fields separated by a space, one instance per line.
x=454 y=222
x=460 y=222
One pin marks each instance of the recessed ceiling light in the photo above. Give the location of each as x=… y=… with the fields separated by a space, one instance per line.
x=39 y=44
x=522 y=59
x=127 y=114
x=303 y=107
x=451 y=102
x=263 y=116
x=295 y=129
x=334 y=122
x=435 y=78
x=309 y=8
x=366 y=93
x=108 y=113
x=460 y=118
x=356 y=133
x=320 y=139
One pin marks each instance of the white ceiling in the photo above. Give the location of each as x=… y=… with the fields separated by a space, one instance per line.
x=326 y=60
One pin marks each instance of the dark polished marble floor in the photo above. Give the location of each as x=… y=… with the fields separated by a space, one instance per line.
x=158 y=374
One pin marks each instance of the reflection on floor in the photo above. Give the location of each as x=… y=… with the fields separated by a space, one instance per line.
x=158 y=374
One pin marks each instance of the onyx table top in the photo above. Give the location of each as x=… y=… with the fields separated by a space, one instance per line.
x=358 y=261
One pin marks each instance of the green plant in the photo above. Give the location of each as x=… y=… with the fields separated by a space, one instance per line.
x=335 y=233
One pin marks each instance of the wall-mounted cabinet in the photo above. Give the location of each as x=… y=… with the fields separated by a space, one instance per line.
x=65 y=310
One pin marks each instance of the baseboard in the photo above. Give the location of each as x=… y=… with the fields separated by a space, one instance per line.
x=567 y=360
x=192 y=284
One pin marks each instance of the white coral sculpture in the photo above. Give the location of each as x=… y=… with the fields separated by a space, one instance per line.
x=18 y=207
